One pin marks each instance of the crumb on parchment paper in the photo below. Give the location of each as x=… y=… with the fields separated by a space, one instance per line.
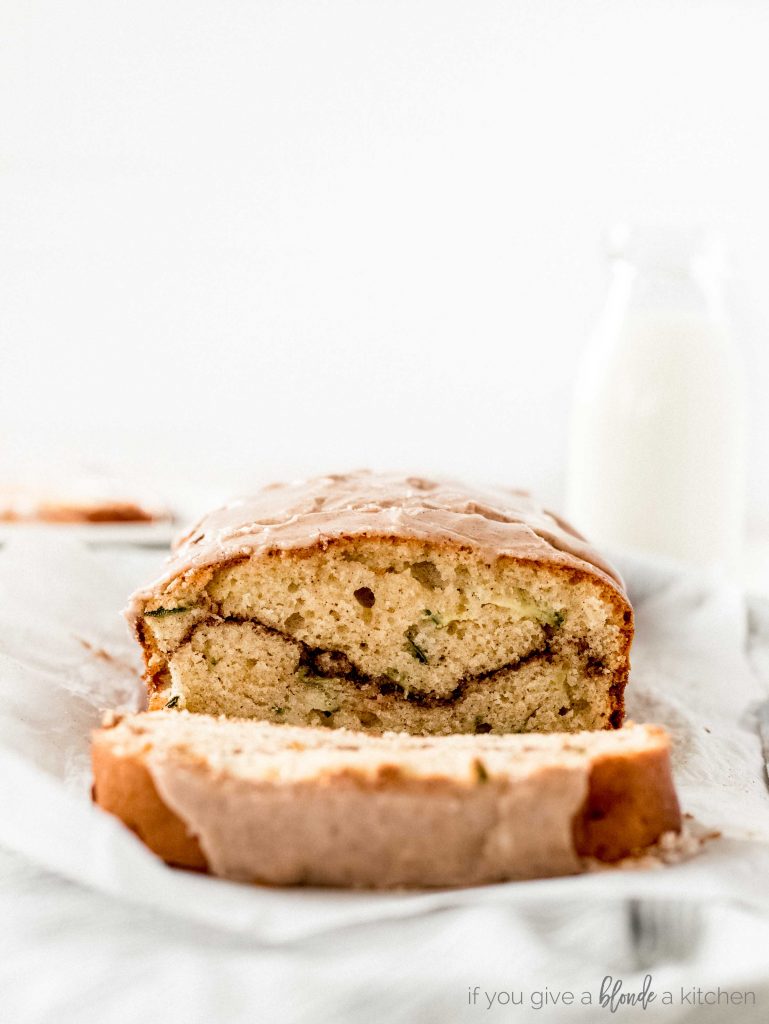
x=671 y=848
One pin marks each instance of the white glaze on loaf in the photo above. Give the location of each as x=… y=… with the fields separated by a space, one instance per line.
x=310 y=512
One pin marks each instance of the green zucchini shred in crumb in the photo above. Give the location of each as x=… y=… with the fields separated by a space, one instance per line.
x=434 y=617
x=173 y=701
x=160 y=613
x=306 y=675
x=481 y=774
x=414 y=649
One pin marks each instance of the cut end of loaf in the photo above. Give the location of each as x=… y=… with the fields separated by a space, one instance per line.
x=282 y=805
x=379 y=634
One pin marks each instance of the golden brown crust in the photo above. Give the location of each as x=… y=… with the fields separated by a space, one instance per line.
x=124 y=787
x=631 y=803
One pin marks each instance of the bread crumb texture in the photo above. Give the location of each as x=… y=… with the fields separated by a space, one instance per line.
x=381 y=633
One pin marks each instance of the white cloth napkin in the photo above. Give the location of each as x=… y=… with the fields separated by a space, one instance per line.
x=65 y=656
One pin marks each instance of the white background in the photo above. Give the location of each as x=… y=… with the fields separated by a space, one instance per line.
x=241 y=239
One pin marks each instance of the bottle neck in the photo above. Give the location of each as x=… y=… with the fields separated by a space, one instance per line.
x=660 y=289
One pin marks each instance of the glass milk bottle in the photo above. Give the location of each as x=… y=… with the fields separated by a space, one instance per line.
x=657 y=457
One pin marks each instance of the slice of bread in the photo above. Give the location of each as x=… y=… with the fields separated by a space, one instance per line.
x=282 y=805
x=381 y=603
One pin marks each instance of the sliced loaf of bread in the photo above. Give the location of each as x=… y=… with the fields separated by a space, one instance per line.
x=286 y=805
x=381 y=603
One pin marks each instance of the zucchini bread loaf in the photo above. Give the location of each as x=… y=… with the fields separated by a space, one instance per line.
x=253 y=801
x=384 y=603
